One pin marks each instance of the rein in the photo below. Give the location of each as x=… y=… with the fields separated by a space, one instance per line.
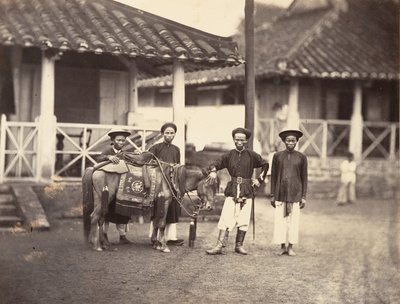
x=170 y=186
x=159 y=162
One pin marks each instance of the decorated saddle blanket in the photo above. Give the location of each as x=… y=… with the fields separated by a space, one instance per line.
x=136 y=190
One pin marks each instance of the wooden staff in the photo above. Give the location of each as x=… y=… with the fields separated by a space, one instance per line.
x=253 y=217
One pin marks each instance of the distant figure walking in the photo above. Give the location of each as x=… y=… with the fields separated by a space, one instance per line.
x=289 y=178
x=347 y=190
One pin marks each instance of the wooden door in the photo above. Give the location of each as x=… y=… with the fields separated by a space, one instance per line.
x=76 y=95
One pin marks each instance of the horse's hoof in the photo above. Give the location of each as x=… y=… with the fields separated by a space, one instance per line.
x=159 y=247
x=166 y=250
x=105 y=247
x=107 y=244
x=97 y=249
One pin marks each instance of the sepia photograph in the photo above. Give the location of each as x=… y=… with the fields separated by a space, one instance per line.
x=199 y=151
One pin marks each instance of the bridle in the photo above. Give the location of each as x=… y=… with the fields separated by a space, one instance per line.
x=196 y=207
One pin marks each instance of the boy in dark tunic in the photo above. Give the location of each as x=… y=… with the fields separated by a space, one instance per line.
x=118 y=138
x=289 y=179
x=169 y=153
x=240 y=163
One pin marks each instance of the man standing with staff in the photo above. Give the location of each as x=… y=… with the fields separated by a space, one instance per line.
x=239 y=191
x=289 y=179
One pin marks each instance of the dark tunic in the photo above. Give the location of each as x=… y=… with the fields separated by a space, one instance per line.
x=241 y=164
x=289 y=176
x=169 y=153
x=111 y=216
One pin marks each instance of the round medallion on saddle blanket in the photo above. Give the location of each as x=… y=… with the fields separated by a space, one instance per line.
x=136 y=190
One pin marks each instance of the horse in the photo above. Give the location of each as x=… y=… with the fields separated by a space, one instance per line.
x=95 y=205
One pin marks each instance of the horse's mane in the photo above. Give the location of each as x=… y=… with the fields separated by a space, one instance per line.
x=199 y=175
x=180 y=182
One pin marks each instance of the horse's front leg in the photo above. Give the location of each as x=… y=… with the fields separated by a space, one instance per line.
x=162 y=224
x=103 y=240
x=94 y=229
x=154 y=239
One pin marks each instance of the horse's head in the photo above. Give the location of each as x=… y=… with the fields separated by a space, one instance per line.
x=207 y=192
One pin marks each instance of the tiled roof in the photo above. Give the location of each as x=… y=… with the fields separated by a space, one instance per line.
x=199 y=77
x=358 y=40
x=105 y=26
x=360 y=43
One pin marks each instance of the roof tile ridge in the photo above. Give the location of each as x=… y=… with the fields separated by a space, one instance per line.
x=265 y=26
x=176 y=25
x=332 y=15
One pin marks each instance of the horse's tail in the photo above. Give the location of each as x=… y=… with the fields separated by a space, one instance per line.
x=87 y=202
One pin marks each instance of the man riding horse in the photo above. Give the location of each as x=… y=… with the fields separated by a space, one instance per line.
x=118 y=138
x=97 y=182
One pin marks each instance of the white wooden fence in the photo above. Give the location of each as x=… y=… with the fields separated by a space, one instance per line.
x=18 y=150
x=79 y=144
x=327 y=138
x=76 y=149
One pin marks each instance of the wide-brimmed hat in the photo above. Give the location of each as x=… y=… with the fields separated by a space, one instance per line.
x=285 y=133
x=168 y=125
x=244 y=131
x=116 y=132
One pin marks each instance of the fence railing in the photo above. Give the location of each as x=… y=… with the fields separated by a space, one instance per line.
x=329 y=138
x=18 y=150
x=380 y=140
x=79 y=144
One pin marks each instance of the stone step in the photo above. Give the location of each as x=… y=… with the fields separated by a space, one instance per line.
x=29 y=204
x=10 y=221
x=5 y=188
x=6 y=198
x=6 y=230
x=8 y=209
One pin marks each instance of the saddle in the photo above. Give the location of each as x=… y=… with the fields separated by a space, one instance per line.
x=128 y=158
x=140 y=181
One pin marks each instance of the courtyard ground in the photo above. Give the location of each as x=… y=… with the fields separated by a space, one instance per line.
x=346 y=254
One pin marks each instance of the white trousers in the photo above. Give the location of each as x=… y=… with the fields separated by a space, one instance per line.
x=347 y=193
x=232 y=215
x=286 y=229
x=170 y=233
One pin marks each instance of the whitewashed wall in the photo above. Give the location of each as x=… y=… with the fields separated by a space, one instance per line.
x=205 y=124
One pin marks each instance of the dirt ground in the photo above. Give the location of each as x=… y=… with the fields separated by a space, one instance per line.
x=346 y=254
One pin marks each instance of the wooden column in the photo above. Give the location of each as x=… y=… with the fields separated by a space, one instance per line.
x=47 y=120
x=356 y=124
x=178 y=103
x=133 y=99
x=258 y=142
x=392 y=149
x=249 y=69
x=293 y=119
